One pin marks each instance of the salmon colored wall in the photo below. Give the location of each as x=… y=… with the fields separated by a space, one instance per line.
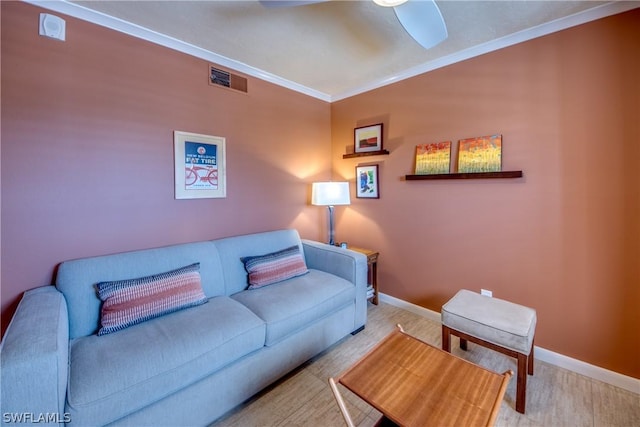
x=87 y=169
x=87 y=149
x=564 y=239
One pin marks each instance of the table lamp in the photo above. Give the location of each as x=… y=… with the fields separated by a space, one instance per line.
x=330 y=194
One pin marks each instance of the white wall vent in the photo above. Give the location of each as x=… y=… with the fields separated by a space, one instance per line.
x=218 y=77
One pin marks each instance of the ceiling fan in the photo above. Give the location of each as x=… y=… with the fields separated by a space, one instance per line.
x=420 y=18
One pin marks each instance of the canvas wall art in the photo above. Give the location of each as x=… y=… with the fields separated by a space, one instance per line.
x=480 y=154
x=433 y=158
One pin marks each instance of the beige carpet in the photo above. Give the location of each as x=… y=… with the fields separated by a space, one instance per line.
x=555 y=397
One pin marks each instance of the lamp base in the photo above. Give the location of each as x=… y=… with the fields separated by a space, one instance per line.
x=332 y=232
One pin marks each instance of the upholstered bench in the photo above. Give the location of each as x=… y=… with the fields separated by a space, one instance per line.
x=496 y=324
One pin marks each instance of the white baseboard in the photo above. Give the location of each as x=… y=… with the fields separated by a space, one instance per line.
x=618 y=380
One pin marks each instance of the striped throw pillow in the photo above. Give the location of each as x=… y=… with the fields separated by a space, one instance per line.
x=274 y=267
x=129 y=302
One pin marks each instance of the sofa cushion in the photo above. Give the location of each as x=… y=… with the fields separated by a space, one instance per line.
x=293 y=304
x=116 y=374
x=231 y=249
x=274 y=267
x=77 y=279
x=129 y=302
x=500 y=322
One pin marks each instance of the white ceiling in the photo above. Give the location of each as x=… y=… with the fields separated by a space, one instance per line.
x=335 y=49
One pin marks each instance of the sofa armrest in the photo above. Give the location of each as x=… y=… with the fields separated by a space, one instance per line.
x=349 y=265
x=34 y=357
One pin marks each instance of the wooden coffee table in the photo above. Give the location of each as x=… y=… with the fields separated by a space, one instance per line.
x=416 y=384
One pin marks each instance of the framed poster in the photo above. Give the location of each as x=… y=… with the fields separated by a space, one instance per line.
x=433 y=158
x=367 y=185
x=368 y=138
x=200 y=167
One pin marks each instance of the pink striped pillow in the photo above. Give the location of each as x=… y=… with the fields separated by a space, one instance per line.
x=274 y=267
x=129 y=302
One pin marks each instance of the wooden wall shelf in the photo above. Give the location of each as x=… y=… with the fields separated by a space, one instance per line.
x=367 y=153
x=473 y=175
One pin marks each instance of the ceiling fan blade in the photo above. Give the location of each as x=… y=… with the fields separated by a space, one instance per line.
x=287 y=3
x=423 y=21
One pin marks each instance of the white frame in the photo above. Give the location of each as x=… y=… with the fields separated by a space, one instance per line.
x=181 y=192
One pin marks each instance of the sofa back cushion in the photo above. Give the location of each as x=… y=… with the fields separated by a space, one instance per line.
x=77 y=279
x=233 y=249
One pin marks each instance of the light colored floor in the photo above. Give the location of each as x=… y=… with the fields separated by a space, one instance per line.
x=555 y=396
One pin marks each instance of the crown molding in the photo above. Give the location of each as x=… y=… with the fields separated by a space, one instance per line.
x=560 y=24
x=98 y=18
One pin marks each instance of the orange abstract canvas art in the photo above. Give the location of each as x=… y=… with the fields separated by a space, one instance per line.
x=433 y=158
x=480 y=154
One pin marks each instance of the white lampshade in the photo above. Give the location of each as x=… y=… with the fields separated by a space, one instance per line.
x=330 y=193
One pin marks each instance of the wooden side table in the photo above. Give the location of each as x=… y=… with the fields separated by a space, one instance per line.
x=372 y=273
x=416 y=384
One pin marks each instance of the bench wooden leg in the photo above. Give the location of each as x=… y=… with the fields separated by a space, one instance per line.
x=446 y=339
x=521 y=387
x=463 y=344
x=525 y=363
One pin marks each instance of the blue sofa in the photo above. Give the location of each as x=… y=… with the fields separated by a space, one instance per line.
x=185 y=368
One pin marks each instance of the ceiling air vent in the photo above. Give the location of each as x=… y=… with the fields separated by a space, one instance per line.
x=224 y=78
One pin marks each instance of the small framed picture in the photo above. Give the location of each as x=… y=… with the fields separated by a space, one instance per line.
x=367 y=185
x=199 y=166
x=368 y=138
